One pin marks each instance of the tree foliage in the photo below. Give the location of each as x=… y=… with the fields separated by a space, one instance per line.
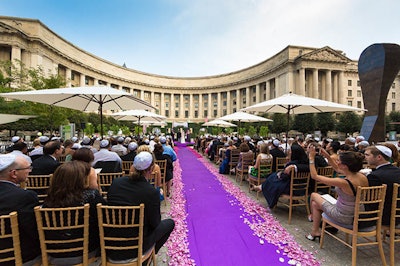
x=349 y=122
x=325 y=122
x=304 y=123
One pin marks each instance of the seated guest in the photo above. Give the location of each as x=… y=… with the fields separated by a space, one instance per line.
x=378 y=157
x=86 y=155
x=159 y=155
x=119 y=148
x=14 y=140
x=87 y=143
x=132 y=191
x=131 y=152
x=105 y=155
x=263 y=155
x=154 y=170
x=14 y=170
x=276 y=152
x=70 y=188
x=224 y=167
x=69 y=149
x=349 y=165
x=168 y=149
x=278 y=183
x=244 y=150
x=48 y=162
x=38 y=150
x=21 y=149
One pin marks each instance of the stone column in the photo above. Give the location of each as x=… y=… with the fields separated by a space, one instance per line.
x=201 y=107
x=162 y=104
x=238 y=100
x=219 y=102
x=302 y=81
x=95 y=82
x=36 y=60
x=181 y=107
x=248 y=96
x=68 y=76
x=210 y=106
x=267 y=90
x=315 y=84
x=191 y=106
x=289 y=82
x=172 y=105
x=228 y=102
x=152 y=98
x=16 y=55
x=82 y=80
x=340 y=88
x=328 y=86
x=258 y=93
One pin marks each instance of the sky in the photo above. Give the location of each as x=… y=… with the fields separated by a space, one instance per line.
x=195 y=38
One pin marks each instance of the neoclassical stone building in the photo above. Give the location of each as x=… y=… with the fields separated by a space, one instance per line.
x=323 y=73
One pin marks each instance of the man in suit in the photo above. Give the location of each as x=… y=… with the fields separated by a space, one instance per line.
x=132 y=191
x=48 y=162
x=14 y=170
x=378 y=157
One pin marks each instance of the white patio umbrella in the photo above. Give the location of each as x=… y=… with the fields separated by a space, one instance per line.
x=218 y=123
x=95 y=98
x=137 y=115
x=241 y=116
x=296 y=104
x=151 y=122
x=9 y=118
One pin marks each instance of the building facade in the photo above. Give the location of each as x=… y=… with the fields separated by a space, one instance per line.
x=323 y=73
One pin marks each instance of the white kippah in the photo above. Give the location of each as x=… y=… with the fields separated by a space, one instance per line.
x=276 y=142
x=132 y=146
x=385 y=150
x=6 y=160
x=104 y=143
x=15 y=139
x=163 y=139
x=364 y=143
x=143 y=160
x=44 y=139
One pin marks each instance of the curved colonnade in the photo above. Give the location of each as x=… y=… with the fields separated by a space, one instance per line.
x=323 y=73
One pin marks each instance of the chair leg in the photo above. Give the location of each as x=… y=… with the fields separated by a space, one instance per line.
x=380 y=246
x=290 y=210
x=321 y=240
x=354 y=250
x=391 y=246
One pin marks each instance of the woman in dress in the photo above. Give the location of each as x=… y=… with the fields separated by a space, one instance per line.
x=86 y=155
x=70 y=188
x=349 y=165
x=263 y=155
x=224 y=167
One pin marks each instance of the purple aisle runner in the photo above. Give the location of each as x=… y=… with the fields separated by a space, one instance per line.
x=217 y=233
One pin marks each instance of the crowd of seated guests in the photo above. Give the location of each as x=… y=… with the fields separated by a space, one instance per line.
x=75 y=183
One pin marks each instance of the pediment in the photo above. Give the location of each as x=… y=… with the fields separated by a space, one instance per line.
x=7 y=28
x=326 y=54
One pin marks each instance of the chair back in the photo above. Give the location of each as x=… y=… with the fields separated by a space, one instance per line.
x=63 y=234
x=234 y=158
x=280 y=163
x=126 y=166
x=39 y=184
x=105 y=180
x=163 y=169
x=109 y=166
x=10 y=249
x=324 y=171
x=121 y=231
x=392 y=230
x=265 y=168
x=372 y=198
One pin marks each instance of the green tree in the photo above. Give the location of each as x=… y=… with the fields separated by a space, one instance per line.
x=279 y=123
x=264 y=131
x=325 y=122
x=394 y=117
x=349 y=122
x=304 y=123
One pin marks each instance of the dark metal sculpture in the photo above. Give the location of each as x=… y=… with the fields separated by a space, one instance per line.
x=377 y=68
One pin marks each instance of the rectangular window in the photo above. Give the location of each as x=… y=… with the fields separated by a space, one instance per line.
x=215 y=113
x=393 y=95
x=244 y=100
x=358 y=83
x=234 y=102
x=186 y=105
x=196 y=97
x=196 y=105
x=205 y=105
x=224 y=103
x=224 y=112
x=196 y=114
x=254 y=99
x=393 y=106
x=186 y=114
x=394 y=85
x=349 y=93
x=358 y=104
x=254 y=89
x=176 y=113
x=176 y=105
x=72 y=76
x=205 y=113
x=167 y=113
x=166 y=104
x=358 y=93
x=215 y=104
x=350 y=103
x=349 y=82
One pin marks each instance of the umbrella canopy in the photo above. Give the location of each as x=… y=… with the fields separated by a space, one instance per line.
x=218 y=123
x=137 y=115
x=151 y=122
x=95 y=98
x=296 y=104
x=244 y=117
x=7 y=118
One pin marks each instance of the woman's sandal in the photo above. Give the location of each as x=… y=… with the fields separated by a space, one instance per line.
x=309 y=217
x=313 y=238
x=255 y=188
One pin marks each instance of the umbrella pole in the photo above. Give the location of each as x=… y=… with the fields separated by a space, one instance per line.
x=101 y=120
x=287 y=129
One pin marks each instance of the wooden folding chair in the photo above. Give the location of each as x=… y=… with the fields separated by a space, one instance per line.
x=39 y=184
x=264 y=169
x=280 y=163
x=163 y=168
x=298 y=195
x=64 y=235
x=105 y=180
x=392 y=230
x=234 y=159
x=319 y=186
x=246 y=160
x=9 y=236
x=372 y=198
x=126 y=166
x=121 y=230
